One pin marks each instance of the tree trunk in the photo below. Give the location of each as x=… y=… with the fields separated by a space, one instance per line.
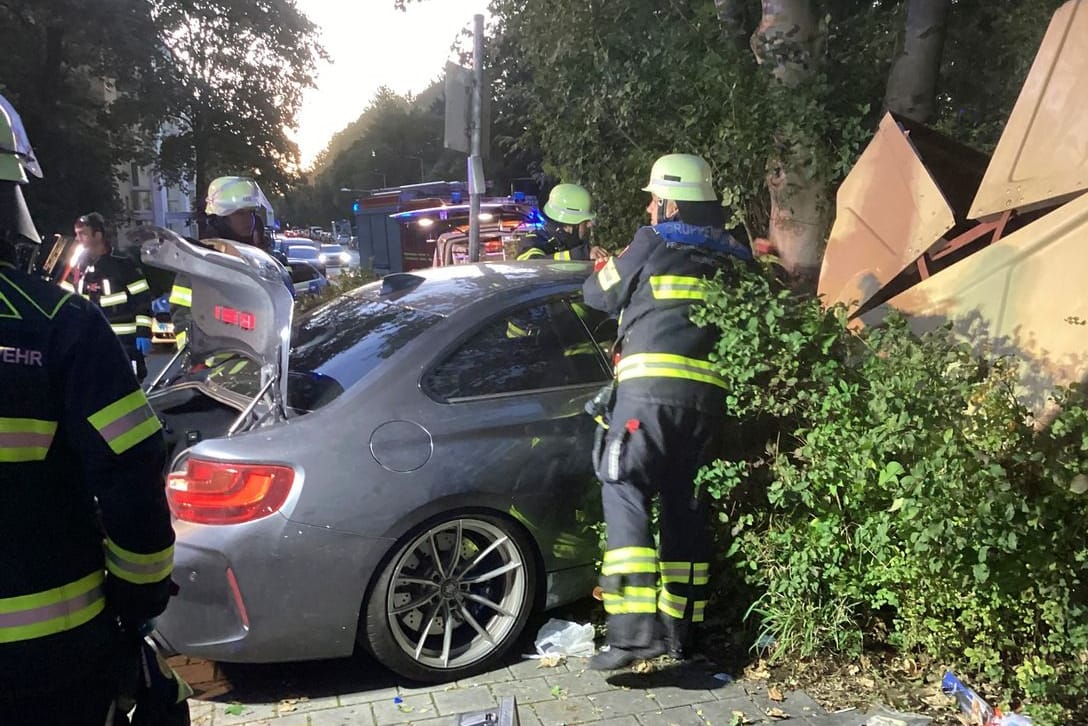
x=736 y=20
x=790 y=44
x=912 y=83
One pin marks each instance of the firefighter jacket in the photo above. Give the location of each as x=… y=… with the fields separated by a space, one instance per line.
x=117 y=285
x=557 y=245
x=652 y=286
x=85 y=533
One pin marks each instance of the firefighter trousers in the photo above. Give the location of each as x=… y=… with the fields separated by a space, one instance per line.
x=652 y=449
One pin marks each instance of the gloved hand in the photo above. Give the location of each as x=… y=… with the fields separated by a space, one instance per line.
x=143 y=345
x=135 y=604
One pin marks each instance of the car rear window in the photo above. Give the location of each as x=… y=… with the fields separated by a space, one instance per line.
x=338 y=344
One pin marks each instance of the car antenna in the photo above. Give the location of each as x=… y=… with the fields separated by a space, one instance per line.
x=400 y=281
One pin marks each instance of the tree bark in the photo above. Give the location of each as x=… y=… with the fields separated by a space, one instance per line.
x=736 y=19
x=790 y=44
x=912 y=83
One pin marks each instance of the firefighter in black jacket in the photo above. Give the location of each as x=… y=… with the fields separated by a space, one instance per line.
x=666 y=417
x=234 y=207
x=117 y=285
x=565 y=235
x=86 y=545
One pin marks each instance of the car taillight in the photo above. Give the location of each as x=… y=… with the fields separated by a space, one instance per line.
x=221 y=492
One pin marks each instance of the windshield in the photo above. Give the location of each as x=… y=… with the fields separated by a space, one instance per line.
x=332 y=249
x=302 y=252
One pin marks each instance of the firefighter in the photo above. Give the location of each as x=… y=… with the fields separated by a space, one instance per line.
x=117 y=285
x=86 y=545
x=234 y=208
x=666 y=414
x=565 y=236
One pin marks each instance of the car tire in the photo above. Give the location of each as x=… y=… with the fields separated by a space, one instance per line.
x=486 y=587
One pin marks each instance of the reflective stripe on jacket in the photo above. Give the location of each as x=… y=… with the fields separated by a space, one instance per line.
x=117 y=285
x=82 y=505
x=651 y=287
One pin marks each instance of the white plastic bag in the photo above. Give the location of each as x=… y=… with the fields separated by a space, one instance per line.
x=562 y=637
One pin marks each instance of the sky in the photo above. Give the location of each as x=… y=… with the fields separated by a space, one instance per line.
x=371 y=44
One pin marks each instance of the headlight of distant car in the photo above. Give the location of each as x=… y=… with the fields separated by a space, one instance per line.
x=322 y=258
x=345 y=258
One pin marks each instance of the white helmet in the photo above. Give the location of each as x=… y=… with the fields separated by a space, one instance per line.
x=16 y=155
x=229 y=194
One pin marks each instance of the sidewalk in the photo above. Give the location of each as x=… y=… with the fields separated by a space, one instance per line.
x=566 y=694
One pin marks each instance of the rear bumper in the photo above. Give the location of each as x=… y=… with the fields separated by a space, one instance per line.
x=267 y=591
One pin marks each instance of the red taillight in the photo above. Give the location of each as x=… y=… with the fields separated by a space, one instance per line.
x=220 y=492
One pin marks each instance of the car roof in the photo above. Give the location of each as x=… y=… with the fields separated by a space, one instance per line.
x=445 y=290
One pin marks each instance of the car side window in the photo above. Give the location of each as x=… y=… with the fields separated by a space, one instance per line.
x=537 y=347
x=302 y=272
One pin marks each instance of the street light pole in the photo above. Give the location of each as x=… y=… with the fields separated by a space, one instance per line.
x=475 y=163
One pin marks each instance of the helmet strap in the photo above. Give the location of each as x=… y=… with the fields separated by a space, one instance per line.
x=662 y=206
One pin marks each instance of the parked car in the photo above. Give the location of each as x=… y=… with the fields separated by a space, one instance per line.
x=406 y=475
x=305 y=253
x=335 y=258
x=306 y=279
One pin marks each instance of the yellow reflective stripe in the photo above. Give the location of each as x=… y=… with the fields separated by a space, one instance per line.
x=678 y=287
x=629 y=561
x=695 y=573
x=673 y=605
x=126 y=422
x=67 y=286
x=531 y=253
x=608 y=275
x=47 y=313
x=123 y=328
x=25 y=439
x=135 y=288
x=633 y=600
x=181 y=296
x=139 y=569
x=580 y=349
x=52 y=611
x=564 y=255
x=698 y=611
x=117 y=298
x=516 y=331
x=667 y=365
x=143 y=321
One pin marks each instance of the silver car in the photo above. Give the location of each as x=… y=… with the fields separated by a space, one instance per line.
x=405 y=468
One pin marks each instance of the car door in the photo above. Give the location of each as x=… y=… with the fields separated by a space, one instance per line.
x=514 y=393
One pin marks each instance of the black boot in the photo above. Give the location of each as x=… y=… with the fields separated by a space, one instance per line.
x=612 y=657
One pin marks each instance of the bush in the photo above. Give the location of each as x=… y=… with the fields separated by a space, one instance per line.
x=900 y=496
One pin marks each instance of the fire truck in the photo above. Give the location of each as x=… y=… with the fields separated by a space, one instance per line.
x=426 y=225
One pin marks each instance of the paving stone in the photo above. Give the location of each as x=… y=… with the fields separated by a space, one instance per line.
x=679 y=716
x=249 y=713
x=305 y=705
x=729 y=692
x=201 y=713
x=416 y=689
x=197 y=672
x=622 y=703
x=499 y=675
x=380 y=694
x=355 y=715
x=529 y=668
x=464 y=700
x=672 y=696
x=579 y=684
x=622 y=721
x=296 y=719
x=563 y=711
x=411 y=708
x=527 y=716
x=526 y=691
x=720 y=713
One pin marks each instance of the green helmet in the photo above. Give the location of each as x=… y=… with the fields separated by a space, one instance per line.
x=568 y=204
x=682 y=178
x=16 y=156
x=229 y=194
